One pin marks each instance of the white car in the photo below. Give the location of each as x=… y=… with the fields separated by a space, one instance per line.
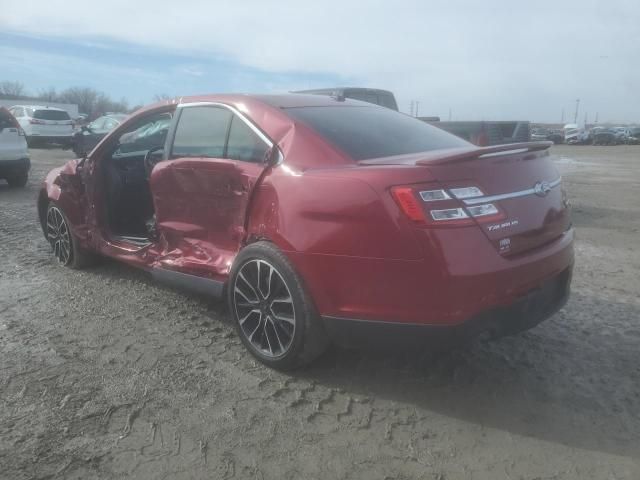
x=44 y=124
x=14 y=156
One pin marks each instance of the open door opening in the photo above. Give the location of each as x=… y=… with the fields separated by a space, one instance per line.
x=128 y=205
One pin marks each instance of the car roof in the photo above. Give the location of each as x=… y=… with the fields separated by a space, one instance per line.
x=255 y=102
x=284 y=100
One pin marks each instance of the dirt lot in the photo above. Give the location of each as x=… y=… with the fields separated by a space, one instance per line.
x=104 y=374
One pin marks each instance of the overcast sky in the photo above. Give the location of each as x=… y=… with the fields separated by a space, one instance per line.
x=488 y=59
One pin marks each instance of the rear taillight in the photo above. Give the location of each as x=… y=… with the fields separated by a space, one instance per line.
x=35 y=121
x=21 y=132
x=407 y=201
x=444 y=206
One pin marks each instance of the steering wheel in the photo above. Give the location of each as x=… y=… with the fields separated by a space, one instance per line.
x=151 y=159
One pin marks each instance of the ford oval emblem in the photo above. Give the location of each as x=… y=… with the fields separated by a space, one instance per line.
x=541 y=189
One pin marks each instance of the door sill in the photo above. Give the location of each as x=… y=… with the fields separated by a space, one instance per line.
x=201 y=285
x=135 y=241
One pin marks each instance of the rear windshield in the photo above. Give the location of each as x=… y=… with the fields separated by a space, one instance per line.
x=51 y=115
x=6 y=120
x=374 y=132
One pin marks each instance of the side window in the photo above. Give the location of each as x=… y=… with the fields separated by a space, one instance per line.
x=244 y=144
x=149 y=133
x=201 y=132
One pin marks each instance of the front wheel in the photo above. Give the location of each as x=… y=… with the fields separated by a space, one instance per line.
x=274 y=316
x=63 y=244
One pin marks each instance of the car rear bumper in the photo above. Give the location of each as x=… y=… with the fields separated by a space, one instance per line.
x=524 y=313
x=461 y=276
x=14 y=167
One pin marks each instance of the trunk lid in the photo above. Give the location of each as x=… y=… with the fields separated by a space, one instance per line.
x=520 y=180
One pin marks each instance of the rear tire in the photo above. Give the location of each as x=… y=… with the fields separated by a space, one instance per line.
x=19 y=180
x=273 y=314
x=64 y=244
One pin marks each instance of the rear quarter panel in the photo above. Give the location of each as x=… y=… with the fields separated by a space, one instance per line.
x=324 y=213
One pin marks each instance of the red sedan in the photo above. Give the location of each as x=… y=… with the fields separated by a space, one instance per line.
x=321 y=219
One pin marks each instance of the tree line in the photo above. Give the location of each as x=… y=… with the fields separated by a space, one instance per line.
x=91 y=102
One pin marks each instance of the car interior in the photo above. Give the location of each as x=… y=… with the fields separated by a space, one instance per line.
x=129 y=204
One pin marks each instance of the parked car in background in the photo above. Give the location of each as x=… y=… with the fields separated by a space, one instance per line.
x=620 y=133
x=321 y=220
x=44 y=124
x=575 y=135
x=539 y=134
x=543 y=134
x=14 y=155
x=89 y=135
x=487 y=133
x=556 y=136
x=603 y=136
x=80 y=120
x=633 y=136
x=384 y=98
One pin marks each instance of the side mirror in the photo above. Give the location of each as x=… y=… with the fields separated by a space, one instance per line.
x=273 y=157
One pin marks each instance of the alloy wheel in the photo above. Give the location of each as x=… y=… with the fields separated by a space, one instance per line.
x=58 y=235
x=264 y=308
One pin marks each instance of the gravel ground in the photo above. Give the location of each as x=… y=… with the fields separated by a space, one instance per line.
x=104 y=374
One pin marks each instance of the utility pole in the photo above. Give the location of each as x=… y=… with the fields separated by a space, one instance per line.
x=562 y=117
x=417 y=105
x=585 y=119
x=411 y=108
x=596 y=121
x=575 y=117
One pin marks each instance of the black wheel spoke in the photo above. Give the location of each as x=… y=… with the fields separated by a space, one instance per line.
x=275 y=330
x=251 y=312
x=248 y=284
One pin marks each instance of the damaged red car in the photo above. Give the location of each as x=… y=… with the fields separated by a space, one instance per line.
x=321 y=219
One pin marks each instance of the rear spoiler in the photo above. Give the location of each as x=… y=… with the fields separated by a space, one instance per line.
x=451 y=155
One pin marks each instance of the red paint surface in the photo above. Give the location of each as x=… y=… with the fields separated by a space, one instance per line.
x=360 y=256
